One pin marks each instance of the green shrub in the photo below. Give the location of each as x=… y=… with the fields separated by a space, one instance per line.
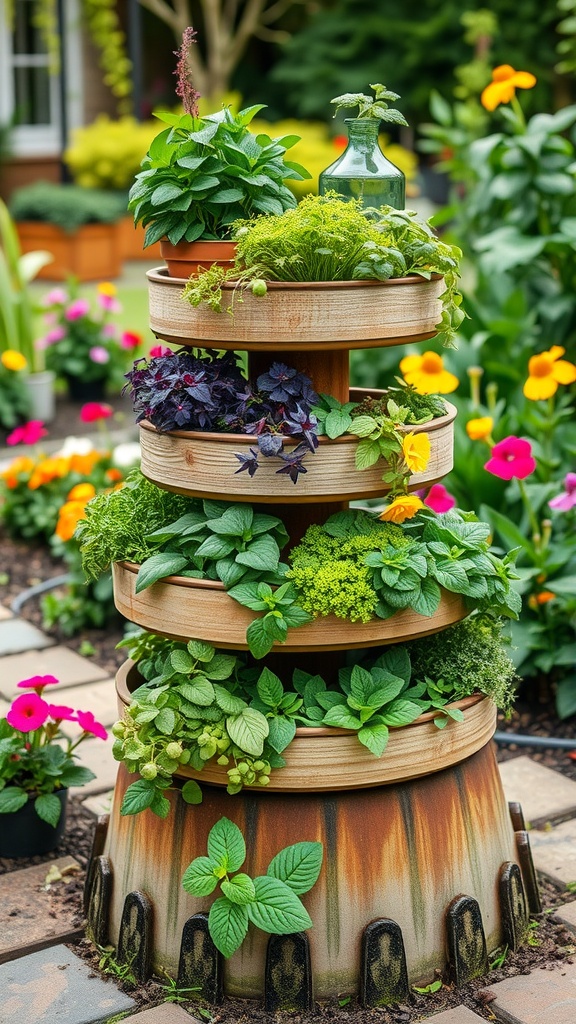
x=66 y=206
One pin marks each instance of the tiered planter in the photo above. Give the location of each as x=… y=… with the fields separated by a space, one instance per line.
x=404 y=834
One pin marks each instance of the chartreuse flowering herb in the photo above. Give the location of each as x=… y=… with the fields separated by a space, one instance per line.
x=546 y=371
x=502 y=88
x=270 y=902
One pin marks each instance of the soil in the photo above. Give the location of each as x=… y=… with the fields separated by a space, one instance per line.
x=23 y=565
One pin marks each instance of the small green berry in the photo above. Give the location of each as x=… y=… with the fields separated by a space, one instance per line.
x=149 y=771
x=259 y=287
x=174 y=750
x=119 y=730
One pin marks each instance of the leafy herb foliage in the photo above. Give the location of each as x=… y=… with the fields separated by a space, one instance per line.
x=186 y=391
x=270 y=902
x=328 y=239
x=377 y=106
x=203 y=173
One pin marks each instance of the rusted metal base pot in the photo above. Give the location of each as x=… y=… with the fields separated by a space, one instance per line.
x=401 y=852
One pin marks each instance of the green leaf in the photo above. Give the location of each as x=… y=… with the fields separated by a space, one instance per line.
x=227 y=924
x=247 y=594
x=138 y=797
x=215 y=547
x=200 y=877
x=281 y=732
x=235 y=521
x=226 y=846
x=342 y=718
x=48 y=807
x=191 y=792
x=165 y=721
x=565 y=697
x=277 y=909
x=362 y=426
x=181 y=662
x=298 y=866
x=199 y=692
x=229 y=703
x=239 y=889
x=401 y=712
x=248 y=730
x=270 y=689
x=337 y=423
x=262 y=554
x=200 y=650
x=159 y=565
x=258 y=639
x=12 y=798
x=76 y=775
x=375 y=738
x=367 y=453
x=221 y=666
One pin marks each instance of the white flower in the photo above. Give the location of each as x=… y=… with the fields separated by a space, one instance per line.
x=75 y=446
x=127 y=454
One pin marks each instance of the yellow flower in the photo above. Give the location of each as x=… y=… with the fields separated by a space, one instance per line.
x=68 y=518
x=480 y=429
x=416 y=451
x=502 y=88
x=13 y=360
x=402 y=508
x=428 y=375
x=107 y=288
x=82 y=492
x=546 y=371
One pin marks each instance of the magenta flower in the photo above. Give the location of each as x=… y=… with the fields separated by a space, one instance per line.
x=37 y=683
x=566 y=500
x=77 y=309
x=108 y=303
x=108 y=330
x=93 y=411
x=438 y=499
x=157 y=351
x=89 y=724
x=30 y=433
x=55 y=297
x=98 y=354
x=511 y=458
x=61 y=713
x=56 y=334
x=27 y=712
x=130 y=340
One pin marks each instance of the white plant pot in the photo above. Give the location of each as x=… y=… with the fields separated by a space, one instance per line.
x=40 y=387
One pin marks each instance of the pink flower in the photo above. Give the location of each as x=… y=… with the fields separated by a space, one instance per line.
x=109 y=303
x=130 y=339
x=438 y=499
x=55 y=297
x=157 y=351
x=77 y=309
x=511 y=458
x=30 y=433
x=27 y=712
x=108 y=331
x=92 y=411
x=37 y=683
x=61 y=713
x=98 y=354
x=567 y=499
x=89 y=724
x=56 y=334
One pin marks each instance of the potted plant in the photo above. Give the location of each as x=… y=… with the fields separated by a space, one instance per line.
x=202 y=173
x=38 y=766
x=82 y=346
x=79 y=226
x=29 y=382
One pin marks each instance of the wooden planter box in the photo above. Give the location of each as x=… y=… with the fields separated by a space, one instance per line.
x=132 y=242
x=91 y=253
x=203 y=465
x=325 y=759
x=302 y=315
x=181 y=607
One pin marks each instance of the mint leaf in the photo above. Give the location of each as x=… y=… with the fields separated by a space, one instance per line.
x=341 y=717
x=257 y=638
x=200 y=650
x=375 y=737
x=248 y=730
x=228 y=702
x=137 y=797
x=200 y=879
x=270 y=689
x=277 y=909
x=191 y=792
x=281 y=732
x=157 y=567
x=226 y=846
x=227 y=924
x=182 y=662
x=200 y=692
x=239 y=889
x=262 y=554
x=298 y=866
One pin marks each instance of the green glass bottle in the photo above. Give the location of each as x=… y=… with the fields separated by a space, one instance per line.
x=362 y=171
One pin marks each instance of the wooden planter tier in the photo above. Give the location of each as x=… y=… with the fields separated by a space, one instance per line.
x=324 y=758
x=91 y=253
x=203 y=464
x=300 y=315
x=180 y=607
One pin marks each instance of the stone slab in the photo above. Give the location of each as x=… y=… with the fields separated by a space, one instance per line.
x=65 y=664
x=5 y=612
x=541 y=997
x=566 y=914
x=98 y=697
x=545 y=795
x=99 y=804
x=554 y=852
x=18 y=635
x=54 y=985
x=27 y=903
x=96 y=754
x=167 y=1013
x=456 y=1015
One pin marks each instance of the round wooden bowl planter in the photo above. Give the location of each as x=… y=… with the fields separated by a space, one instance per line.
x=300 y=315
x=203 y=464
x=324 y=758
x=181 y=607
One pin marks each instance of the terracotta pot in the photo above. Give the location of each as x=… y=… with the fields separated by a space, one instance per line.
x=203 y=464
x=300 y=315
x=324 y=759
x=91 y=253
x=186 y=258
x=181 y=607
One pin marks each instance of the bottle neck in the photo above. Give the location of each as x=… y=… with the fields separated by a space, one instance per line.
x=363 y=132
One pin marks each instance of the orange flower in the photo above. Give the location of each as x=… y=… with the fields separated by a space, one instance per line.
x=18 y=466
x=82 y=492
x=402 y=508
x=13 y=360
x=542 y=598
x=84 y=464
x=502 y=88
x=546 y=371
x=48 y=470
x=427 y=374
x=480 y=429
x=113 y=474
x=416 y=451
x=70 y=513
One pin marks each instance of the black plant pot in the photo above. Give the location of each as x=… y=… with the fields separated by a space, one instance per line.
x=86 y=390
x=24 y=834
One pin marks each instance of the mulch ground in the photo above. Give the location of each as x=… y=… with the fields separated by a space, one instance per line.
x=24 y=565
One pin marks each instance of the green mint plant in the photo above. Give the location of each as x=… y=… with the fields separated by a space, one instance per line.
x=281 y=610
x=377 y=106
x=270 y=902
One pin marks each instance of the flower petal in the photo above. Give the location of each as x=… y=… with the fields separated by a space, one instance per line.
x=538 y=388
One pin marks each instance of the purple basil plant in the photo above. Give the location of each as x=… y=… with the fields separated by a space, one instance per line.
x=184 y=391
